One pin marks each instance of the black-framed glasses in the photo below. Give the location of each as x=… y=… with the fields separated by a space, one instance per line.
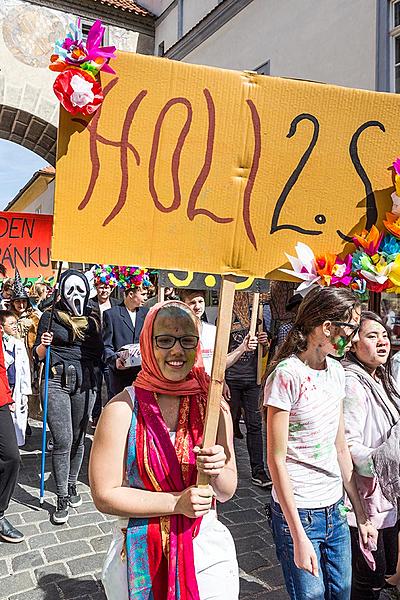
x=352 y=326
x=166 y=342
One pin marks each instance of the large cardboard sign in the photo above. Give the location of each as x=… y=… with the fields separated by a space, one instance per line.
x=201 y=169
x=25 y=242
x=207 y=281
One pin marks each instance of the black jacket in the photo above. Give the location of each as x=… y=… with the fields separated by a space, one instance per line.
x=118 y=330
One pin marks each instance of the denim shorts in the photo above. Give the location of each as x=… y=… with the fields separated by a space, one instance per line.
x=328 y=531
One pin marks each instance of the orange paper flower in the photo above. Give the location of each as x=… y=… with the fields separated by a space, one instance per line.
x=369 y=240
x=325 y=264
x=392 y=224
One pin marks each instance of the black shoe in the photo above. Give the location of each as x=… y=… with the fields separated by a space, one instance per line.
x=261 y=479
x=74 y=499
x=8 y=533
x=61 y=514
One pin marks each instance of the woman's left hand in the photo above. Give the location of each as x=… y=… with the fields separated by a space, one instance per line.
x=210 y=461
x=369 y=535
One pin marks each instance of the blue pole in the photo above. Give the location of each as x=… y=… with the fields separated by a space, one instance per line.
x=45 y=403
x=46 y=388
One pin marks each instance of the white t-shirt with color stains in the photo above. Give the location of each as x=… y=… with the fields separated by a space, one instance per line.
x=313 y=399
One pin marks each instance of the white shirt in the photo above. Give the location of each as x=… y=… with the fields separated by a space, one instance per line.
x=313 y=399
x=207 y=344
x=132 y=314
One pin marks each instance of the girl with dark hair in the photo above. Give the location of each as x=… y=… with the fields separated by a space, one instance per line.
x=308 y=457
x=371 y=409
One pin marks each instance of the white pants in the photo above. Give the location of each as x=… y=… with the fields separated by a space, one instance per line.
x=215 y=562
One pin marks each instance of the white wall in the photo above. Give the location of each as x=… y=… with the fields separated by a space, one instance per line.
x=44 y=204
x=194 y=11
x=322 y=40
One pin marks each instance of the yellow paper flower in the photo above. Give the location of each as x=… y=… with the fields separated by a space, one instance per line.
x=394 y=276
x=392 y=224
x=369 y=240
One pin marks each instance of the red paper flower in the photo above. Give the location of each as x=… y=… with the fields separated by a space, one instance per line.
x=78 y=91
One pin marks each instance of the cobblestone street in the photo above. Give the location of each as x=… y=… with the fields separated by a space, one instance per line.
x=63 y=562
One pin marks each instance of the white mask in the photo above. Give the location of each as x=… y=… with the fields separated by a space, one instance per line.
x=74 y=291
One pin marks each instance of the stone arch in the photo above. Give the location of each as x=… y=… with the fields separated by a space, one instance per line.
x=28 y=130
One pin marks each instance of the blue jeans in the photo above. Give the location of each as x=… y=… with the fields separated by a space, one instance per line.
x=329 y=533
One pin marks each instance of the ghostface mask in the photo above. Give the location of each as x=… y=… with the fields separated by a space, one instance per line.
x=74 y=292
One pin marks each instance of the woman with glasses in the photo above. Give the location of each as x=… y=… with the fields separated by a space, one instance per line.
x=144 y=464
x=371 y=408
x=308 y=457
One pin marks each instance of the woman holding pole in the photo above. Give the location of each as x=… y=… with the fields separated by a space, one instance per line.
x=308 y=457
x=144 y=463
x=75 y=354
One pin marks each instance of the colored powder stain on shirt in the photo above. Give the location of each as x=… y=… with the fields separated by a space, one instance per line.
x=295 y=427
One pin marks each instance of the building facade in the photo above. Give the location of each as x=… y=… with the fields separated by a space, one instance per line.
x=355 y=44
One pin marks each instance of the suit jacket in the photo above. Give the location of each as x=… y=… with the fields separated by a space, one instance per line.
x=118 y=330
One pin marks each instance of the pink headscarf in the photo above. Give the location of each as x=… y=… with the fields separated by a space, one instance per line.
x=150 y=377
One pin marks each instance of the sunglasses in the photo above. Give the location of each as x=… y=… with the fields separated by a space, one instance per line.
x=354 y=328
x=166 y=342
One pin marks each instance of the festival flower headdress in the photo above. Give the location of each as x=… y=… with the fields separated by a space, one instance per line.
x=374 y=265
x=131 y=277
x=79 y=61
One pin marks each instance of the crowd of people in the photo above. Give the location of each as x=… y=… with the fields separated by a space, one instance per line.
x=139 y=371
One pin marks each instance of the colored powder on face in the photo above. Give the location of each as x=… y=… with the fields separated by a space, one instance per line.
x=339 y=345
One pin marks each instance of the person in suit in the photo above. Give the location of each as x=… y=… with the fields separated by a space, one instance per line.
x=122 y=326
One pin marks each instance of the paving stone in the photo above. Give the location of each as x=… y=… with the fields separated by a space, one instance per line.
x=79 y=533
x=250 y=543
x=250 y=502
x=238 y=531
x=106 y=526
x=3 y=568
x=66 y=551
x=101 y=544
x=16 y=583
x=244 y=516
x=42 y=540
x=28 y=529
x=35 y=516
x=47 y=526
x=244 y=492
x=273 y=575
x=87 y=564
x=251 y=561
x=49 y=592
x=88 y=519
x=250 y=588
x=25 y=561
x=50 y=573
x=82 y=586
x=86 y=507
x=7 y=550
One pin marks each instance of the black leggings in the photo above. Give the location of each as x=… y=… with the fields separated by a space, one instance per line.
x=9 y=458
x=366 y=584
x=68 y=416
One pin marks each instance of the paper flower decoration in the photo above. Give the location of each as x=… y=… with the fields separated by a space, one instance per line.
x=392 y=224
x=130 y=277
x=78 y=92
x=104 y=274
x=89 y=55
x=80 y=61
x=390 y=247
x=394 y=276
x=369 y=240
x=304 y=267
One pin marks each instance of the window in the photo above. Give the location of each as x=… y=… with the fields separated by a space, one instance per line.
x=86 y=25
x=265 y=68
x=395 y=46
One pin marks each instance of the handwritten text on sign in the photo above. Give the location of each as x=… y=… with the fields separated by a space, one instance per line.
x=25 y=241
x=198 y=169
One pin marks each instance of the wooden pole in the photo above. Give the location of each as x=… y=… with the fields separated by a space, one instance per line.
x=160 y=294
x=254 y=313
x=218 y=367
x=260 y=348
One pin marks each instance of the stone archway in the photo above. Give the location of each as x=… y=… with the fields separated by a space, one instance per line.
x=29 y=131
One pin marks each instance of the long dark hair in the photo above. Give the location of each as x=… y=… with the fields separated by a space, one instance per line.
x=384 y=373
x=320 y=305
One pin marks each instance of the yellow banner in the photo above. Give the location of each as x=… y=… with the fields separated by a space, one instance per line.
x=199 y=169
